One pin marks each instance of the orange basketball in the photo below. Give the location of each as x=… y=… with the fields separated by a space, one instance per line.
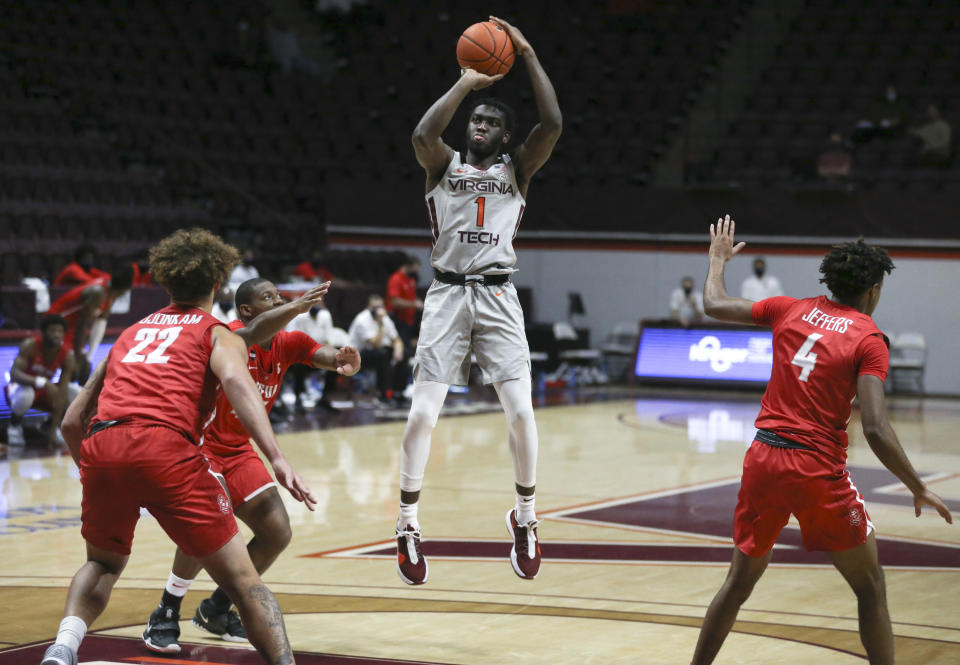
x=486 y=48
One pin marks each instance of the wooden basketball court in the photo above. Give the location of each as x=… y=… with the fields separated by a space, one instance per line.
x=636 y=492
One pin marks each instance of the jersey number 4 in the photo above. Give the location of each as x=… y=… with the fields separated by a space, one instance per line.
x=804 y=358
x=146 y=337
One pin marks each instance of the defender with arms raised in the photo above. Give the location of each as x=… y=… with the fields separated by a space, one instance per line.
x=825 y=352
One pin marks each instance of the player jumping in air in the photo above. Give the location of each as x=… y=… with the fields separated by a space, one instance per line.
x=474 y=202
x=825 y=352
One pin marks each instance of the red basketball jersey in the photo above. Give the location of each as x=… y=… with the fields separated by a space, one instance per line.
x=226 y=435
x=70 y=303
x=158 y=372
x=40 y=367
x=820 y=347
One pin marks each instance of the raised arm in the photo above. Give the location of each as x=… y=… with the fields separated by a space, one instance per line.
x=432 y=153
x=263 y=327
x=228 y=360
x=716 y=301
x=535 y=151
x=885 y=445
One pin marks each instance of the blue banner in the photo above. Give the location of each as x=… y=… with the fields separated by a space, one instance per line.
x=704 y=353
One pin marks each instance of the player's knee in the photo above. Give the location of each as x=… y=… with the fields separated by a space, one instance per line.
x=277 y=533
x=521 y=419
x=869 y=584
x=422 y=417
x=22 y=399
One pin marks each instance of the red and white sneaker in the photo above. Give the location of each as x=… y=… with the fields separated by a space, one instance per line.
x=411 y=566
x=525 y=553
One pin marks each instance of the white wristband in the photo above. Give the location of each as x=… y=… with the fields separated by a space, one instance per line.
x=39 y=382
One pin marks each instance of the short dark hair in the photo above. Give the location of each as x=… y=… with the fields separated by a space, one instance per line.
x=849 y=269
x=52 y=320
x=122 y=278
x=244 y=294
x=189 y=262
x=83 y=249
x=509 y=115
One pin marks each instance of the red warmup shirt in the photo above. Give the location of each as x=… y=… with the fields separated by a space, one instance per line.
x=308 y=272
x=401 y=285
x=226 y=436
x=158 y=372
x=820 y=347
x=74 y=273
x=70 y=303
x=37 y=366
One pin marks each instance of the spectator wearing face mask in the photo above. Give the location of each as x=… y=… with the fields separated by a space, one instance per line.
x=760 y=285
x=318 y=324
x=402 y=301
x=380 y=346
x=686 y=303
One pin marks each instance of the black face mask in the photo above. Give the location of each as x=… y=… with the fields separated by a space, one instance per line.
x=314 y=311
x=758 y=272
x=688 y=290
x=86 y=265
x=413 y=273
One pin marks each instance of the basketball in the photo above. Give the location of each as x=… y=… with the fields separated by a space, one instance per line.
x=486 y=48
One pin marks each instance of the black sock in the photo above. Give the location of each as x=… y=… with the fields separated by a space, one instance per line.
x=171 y=601
x=220 y=600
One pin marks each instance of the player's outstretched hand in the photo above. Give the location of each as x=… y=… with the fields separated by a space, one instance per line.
x=721 y=240
x=348 y=361
x=520 y=44
x=312 y=298
x=291 y=480
x=928 y=498
x=476 y=80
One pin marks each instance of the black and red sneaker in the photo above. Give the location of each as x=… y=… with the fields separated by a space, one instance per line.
x=525 y=553
x=411 y=566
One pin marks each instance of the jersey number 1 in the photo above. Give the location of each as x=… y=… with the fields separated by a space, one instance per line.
x=146 y=337
x=481 y=202
x=804 y=359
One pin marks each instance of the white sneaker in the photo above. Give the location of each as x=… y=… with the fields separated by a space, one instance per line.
x=15 y=435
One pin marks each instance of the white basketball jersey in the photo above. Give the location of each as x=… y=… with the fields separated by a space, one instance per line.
x=474 y=215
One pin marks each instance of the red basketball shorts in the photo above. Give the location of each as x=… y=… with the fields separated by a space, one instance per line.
x=244 y=472
x=778 y=482
x=128 y=466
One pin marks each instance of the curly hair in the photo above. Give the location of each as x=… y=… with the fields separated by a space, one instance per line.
x=849 y=269
x=190 y=262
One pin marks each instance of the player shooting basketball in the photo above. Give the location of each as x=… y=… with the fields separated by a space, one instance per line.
x=475 y=201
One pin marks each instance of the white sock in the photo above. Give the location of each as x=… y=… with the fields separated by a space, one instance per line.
x=177 y=586
x=72 y=630
x=526 y=508
x=408 y=515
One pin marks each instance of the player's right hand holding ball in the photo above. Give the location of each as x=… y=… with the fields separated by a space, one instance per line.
x=476 y=80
